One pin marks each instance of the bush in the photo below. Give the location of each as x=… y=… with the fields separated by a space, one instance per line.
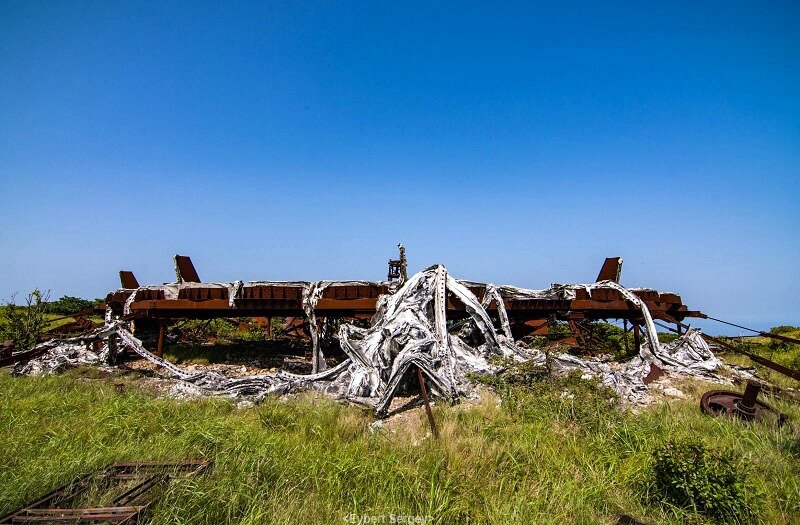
x=68 y=305
x=23 y=324
x=783 y=329
x=713 y=483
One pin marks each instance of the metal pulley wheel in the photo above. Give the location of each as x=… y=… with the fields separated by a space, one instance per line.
x=744 y=406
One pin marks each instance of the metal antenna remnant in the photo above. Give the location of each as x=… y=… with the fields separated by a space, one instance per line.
x=398 y=268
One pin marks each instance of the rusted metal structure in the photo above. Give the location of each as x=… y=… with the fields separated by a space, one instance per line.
x=398 y=268
x=191 y=299
x=132 y=486
x=445 y=327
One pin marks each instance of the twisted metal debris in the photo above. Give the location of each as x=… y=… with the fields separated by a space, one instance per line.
x=410 y=329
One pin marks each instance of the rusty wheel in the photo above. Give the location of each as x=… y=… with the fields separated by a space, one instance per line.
x=743 y=406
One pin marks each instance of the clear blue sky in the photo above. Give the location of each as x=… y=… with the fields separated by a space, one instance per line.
x=515 y=143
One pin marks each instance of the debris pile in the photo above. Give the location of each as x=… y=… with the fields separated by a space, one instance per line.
x=410 y=331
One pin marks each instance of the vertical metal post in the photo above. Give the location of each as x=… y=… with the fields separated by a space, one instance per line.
x=625 y=333
x=161 y=334
x=428 y=410
x=636 y=337
x=112 y=349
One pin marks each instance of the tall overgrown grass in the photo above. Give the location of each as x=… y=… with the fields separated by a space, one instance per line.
x=559 y=452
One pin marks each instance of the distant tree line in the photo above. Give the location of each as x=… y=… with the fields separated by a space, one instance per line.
x=71 y=305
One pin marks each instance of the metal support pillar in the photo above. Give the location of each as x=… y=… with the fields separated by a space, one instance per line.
x=162 y=328
x=637 y=341
x=625 y=334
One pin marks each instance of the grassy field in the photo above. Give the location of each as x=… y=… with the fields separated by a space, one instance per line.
x=540 y=456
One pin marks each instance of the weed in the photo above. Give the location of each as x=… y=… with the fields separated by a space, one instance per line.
x=714 y=483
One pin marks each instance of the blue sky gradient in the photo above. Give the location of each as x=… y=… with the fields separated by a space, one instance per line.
x=515 y=143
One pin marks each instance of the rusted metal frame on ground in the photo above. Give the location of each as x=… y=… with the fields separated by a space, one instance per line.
x=81 y=324
x=585 y=337
x=117 y=515
x=424 y=391
x=124 y=509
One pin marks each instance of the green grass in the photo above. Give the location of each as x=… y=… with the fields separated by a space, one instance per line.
x=540 y=457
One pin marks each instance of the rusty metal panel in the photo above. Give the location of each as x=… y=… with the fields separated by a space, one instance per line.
x=611 y=270
x=185 y=270
x=128 y=280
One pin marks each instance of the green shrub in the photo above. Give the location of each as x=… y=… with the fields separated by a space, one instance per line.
x=713 y=483
x=23 y=324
